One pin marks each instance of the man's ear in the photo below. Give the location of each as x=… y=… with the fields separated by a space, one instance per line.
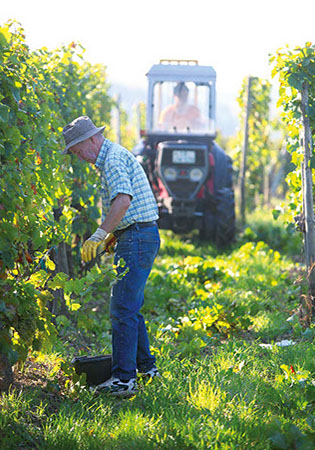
x=95 y=139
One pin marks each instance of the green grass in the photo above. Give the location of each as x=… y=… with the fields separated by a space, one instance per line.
x=280 y=234
x=234 y=398
x=208 y=314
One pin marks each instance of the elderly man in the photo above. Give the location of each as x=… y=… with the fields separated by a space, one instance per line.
x=129 y=211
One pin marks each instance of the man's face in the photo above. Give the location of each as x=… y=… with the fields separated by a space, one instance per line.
x=86 y=150
x=181 y=98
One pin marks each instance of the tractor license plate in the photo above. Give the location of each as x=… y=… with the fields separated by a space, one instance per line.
x=184 y=157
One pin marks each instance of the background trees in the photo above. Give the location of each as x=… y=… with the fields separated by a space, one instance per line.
x=265 y=160
x=296 y=71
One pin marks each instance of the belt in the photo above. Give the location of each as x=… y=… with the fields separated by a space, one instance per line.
x=139 y=224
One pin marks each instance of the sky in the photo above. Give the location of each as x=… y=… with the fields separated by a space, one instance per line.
x=128 y=37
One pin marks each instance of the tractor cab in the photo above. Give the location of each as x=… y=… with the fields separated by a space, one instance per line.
x=181 y=99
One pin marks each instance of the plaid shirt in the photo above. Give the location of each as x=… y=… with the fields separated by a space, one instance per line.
x=122 y=174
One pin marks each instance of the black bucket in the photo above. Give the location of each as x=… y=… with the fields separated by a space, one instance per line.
x=98 y=369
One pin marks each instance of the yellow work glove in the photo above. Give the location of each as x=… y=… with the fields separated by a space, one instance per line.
x=90 y=246
x=108 y=244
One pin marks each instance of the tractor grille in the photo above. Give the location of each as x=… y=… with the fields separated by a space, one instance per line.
x=188 y=156
x=182 y=188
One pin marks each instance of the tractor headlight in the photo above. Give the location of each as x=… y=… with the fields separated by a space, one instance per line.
x=170 y=174
x=195 y=175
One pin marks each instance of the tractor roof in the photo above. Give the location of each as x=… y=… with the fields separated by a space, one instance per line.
x=182 y=72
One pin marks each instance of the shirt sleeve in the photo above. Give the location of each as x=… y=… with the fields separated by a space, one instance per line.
x=118 y=179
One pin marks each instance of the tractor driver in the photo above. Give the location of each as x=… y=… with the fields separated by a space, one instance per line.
x=180 y=115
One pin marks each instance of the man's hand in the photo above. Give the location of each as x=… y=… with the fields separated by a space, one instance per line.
x=90 y=246
x=108 y=244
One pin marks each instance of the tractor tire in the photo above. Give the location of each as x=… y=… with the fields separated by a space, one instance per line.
x=225 y=218
x=208 y=230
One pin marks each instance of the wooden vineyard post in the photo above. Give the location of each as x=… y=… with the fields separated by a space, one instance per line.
x=244 y=156
x=307 y=186
x=118 y=121
x=138 y=112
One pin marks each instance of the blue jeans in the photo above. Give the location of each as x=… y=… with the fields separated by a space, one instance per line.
x=130 y=344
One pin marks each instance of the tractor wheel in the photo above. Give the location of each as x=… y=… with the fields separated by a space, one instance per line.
x=225 y=218
x=208 y=231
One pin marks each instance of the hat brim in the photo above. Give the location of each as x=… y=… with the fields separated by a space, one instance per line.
x=81 y=138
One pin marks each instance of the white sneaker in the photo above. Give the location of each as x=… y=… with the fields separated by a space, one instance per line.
x=150 y=374
x=114 y=386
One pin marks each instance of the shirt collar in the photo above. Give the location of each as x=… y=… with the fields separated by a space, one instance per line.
x=102 y=154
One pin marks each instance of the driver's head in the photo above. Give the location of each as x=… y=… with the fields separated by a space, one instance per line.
x=181 y=91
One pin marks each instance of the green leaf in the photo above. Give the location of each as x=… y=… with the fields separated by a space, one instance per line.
x=62 y=321
x=311 y=422
x=75 y=286
x=74 y=306
x=295 y=80
x=311 y=68
x=39 y=278
x=276 y=213
x=4 y=113
x=94 y=212
x=16 y=93
x=59 y=281
x=50 y=264
x=312 y=162
x=4 y=38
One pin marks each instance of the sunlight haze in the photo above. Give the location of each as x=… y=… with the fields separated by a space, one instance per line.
x=129 y=37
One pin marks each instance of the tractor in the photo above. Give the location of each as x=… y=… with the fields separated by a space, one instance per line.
x=190 y=174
